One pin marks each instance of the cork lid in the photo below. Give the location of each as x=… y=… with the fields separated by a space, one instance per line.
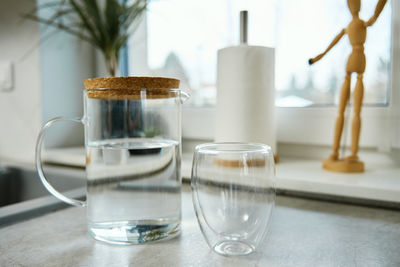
x=120 y=88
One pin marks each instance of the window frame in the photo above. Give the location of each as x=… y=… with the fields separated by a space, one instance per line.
x=310 y=125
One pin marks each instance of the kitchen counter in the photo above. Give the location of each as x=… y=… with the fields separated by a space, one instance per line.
x=302 y=233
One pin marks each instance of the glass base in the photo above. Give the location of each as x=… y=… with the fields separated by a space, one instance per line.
x=233 y=248
x=133 y=232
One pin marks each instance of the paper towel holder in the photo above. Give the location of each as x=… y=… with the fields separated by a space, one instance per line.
x=256 y=92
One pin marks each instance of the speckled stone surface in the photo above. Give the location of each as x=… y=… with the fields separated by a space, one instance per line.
x=302 y=233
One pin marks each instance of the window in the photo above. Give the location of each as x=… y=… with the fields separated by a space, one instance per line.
x=306 y=28
x=182 y=43
x=181 y=38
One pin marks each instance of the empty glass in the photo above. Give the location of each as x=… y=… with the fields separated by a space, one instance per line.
x=233 y=190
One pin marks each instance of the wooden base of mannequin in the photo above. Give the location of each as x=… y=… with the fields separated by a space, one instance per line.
x=276 y=158
x=343 y=165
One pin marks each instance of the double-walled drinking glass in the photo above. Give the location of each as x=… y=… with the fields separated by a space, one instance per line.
x=133 y=157
x=233 y=190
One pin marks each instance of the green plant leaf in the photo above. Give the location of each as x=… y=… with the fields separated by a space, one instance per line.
x=106 y=28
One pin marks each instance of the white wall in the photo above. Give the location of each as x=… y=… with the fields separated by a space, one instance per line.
x=65 y=62
x=48 y=83
x=20 y=109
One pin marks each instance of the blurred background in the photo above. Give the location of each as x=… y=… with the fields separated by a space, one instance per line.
x=42 y=69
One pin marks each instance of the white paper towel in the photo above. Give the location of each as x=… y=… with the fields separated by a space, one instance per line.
x=246 y=95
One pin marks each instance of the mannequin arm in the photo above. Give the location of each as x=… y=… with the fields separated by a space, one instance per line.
x=378 y=10
x=333 y=43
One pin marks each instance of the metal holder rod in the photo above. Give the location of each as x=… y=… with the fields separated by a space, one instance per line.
x=243 y=26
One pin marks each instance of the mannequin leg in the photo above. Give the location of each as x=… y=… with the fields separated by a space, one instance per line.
x=356 y=123
x=344 y=98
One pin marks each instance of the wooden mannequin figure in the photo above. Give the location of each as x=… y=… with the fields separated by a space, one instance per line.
x=357 y=33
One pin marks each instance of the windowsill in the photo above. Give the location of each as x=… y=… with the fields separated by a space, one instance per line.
x=380 y=182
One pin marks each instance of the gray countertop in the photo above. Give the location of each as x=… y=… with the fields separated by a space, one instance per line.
x=302 y=233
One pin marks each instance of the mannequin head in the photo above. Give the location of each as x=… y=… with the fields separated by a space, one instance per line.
x=354 y=6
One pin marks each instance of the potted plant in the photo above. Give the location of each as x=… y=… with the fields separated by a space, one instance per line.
x=106 y=24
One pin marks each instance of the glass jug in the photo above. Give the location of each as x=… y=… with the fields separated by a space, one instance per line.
x=133 y=158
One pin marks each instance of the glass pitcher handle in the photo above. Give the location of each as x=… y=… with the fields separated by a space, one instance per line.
x=39 y=167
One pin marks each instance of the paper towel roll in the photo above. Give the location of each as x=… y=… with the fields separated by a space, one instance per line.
x=246 y=95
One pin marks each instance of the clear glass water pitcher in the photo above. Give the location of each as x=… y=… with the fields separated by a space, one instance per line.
x=133 y=158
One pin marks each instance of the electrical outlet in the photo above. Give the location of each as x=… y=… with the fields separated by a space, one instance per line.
x=6 y=76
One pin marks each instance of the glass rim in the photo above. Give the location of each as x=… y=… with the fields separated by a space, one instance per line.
x=242 y=147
